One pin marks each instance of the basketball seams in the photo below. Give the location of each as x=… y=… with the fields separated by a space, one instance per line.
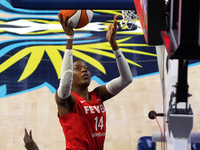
x=74 y=13
x=75 y=22
x=79 y=19
x=87 y=16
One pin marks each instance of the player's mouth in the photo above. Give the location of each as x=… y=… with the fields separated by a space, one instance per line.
x=85 y=76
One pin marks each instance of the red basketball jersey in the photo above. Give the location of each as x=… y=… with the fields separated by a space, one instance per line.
x=85 y=126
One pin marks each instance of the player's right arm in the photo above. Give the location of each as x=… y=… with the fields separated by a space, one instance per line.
x=64 y=99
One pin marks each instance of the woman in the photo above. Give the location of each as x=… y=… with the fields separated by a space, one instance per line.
x=81 y=113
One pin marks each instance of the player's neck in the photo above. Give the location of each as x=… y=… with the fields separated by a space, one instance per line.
x=82 y=92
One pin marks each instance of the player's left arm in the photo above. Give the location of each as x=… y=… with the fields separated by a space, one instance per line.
x=118 y=84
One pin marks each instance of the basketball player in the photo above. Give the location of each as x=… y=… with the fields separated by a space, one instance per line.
x=81 y=113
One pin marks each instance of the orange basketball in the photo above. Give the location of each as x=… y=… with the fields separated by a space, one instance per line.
x=80 y=18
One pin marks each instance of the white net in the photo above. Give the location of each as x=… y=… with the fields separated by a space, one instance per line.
x=129 y=19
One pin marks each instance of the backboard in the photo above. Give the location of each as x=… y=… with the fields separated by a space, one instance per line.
x=151 y=16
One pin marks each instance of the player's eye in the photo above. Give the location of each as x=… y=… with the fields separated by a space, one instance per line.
x=78 y=68
x=87 y=68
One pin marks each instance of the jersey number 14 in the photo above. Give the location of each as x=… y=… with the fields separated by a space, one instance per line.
x=98 y=123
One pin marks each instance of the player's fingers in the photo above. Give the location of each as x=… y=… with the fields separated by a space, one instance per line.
x=70 y=22
x=60 y=18
x=115 y=22
x=113 y=29
x=30 y=133
x=109 y=27
x=26 y=133
x=115 y=17
x=66 y=20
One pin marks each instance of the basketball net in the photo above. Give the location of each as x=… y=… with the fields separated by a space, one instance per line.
x=129 y=19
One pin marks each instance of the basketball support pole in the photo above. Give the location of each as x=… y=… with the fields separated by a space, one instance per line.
x=180 y=45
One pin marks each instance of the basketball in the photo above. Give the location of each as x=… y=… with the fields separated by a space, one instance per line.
x=79 y=18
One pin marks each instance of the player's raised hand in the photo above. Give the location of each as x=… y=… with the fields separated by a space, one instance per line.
x=112 y=29
x=111 y=34
x=66 y=25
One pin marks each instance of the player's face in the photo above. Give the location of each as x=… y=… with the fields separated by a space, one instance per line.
x=81 y=73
